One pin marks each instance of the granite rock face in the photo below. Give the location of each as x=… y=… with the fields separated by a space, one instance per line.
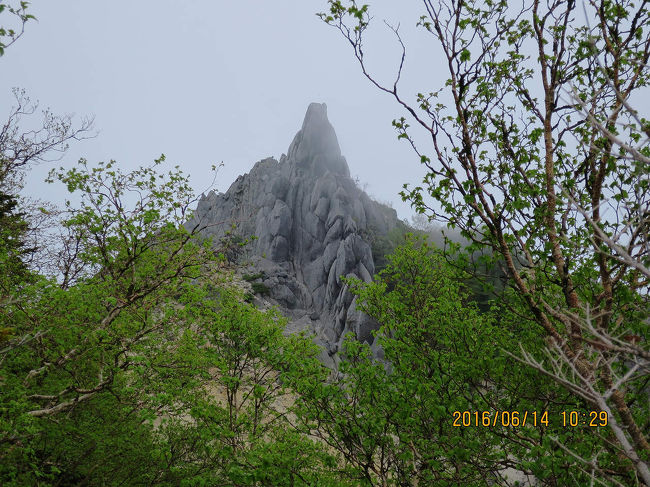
x=313 y=225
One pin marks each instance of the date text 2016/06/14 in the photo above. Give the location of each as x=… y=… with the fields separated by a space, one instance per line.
x=530 y=418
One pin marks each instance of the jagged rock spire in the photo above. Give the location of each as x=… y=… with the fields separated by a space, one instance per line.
x=315 y=146
x=312 y=225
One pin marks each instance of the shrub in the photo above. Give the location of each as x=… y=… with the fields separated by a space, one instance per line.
x=259 y=288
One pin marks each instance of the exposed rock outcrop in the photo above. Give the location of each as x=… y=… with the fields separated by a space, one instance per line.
x=313 y=225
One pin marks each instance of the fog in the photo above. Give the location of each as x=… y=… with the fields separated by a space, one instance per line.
x=206 y=82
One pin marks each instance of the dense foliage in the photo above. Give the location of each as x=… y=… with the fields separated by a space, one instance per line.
x=131 y=368
x=534 y=150
x=400 y=421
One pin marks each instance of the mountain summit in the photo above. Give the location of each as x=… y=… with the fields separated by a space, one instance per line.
x=313 y=225
x=315 y=146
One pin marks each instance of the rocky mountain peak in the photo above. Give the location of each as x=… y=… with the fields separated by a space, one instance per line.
x=315 y=147
x=312 y=225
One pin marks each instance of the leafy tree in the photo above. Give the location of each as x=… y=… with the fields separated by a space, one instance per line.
x=399 y=421
x=536 y=155
x=21 y=149
x=382 y=244
x=140 y=364
x=75 y=341
x=241 y=430
x=13 y=249
x=126 y=365
x=9 y=35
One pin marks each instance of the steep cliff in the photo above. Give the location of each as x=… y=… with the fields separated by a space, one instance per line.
x=312 y=226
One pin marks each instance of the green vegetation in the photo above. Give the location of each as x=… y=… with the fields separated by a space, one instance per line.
x=132 y=368
x=15 y=26
x=535 y=152
x=260 y=288
x=131 y=360
x=253 y=277
x=383 y=245
x=394 y=424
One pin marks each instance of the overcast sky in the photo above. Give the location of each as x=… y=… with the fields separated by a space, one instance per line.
x=216 y=81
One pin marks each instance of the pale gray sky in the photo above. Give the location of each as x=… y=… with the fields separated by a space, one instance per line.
x=211 y=81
